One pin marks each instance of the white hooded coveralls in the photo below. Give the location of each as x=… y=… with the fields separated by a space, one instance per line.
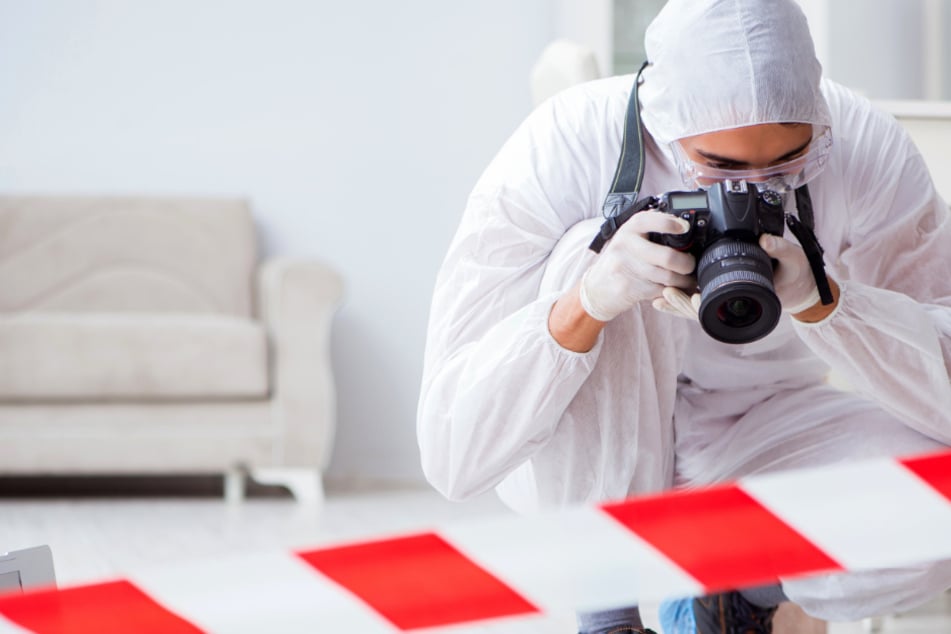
x=657 y=402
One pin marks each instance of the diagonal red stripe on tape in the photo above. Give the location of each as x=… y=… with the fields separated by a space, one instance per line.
x=106 y=608
x=418 y=581
x=721 y=536
x=934 y=469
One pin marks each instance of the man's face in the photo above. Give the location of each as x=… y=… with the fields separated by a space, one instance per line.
x=757 y=153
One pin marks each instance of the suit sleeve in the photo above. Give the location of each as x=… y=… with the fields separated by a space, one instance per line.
x=890 y=336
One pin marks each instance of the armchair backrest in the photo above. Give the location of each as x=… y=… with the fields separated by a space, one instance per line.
x=148 y=254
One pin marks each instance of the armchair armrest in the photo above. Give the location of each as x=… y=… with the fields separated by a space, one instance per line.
x=297 y=299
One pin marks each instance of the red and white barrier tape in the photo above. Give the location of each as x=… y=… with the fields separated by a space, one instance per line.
x=683 y=543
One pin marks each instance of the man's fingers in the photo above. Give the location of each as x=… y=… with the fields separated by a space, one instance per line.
x=680 y=300
x=663 y=275
x=677 y=308
x=657 y=221
x=774 y=246
x=695 y=301
x=664 y=306
x=632 y=238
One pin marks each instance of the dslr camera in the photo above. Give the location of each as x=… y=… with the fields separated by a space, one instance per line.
x=734 y=275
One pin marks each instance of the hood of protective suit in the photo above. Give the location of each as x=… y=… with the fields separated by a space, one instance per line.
x=720 y=64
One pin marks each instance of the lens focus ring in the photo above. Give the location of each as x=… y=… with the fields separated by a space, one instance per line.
x=738 y=302
x=741 y=275
x=733 y=250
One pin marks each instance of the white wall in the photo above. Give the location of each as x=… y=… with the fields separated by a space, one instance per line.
x=589 y=23
x=356 y=129
x=885 y=49
x=864 y=61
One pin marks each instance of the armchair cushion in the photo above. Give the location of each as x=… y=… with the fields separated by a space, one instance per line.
x=116 y=356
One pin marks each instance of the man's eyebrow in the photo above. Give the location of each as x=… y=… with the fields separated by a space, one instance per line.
x=798 y=150
x=710 y=156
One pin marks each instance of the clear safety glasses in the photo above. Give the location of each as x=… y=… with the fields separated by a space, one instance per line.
x=781 y=177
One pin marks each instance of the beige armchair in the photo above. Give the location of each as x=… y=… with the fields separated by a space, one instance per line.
x=143 y=336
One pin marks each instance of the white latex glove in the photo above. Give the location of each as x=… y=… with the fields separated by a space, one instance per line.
x=632 y=269
x=677 y=302
x=793 y=280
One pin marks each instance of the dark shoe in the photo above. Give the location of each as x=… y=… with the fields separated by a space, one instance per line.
x=730 y=613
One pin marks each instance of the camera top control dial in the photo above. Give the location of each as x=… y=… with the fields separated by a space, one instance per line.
x=771 y=198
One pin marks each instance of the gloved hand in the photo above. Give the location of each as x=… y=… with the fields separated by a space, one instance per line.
x=632 y=269
x=677 y=302
x=793 y=280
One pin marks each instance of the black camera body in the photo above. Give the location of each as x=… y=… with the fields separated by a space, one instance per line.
x=734 y=275
x=731 y=209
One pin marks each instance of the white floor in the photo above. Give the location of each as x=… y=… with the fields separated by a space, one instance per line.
x=98 y=538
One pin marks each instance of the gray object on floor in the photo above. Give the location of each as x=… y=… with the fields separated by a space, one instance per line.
x=27 y=569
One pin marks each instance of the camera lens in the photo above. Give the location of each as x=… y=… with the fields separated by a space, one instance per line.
x=737 y=300
x=739 y=312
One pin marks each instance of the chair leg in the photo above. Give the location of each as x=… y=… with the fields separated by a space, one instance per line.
x=306 y=485
x=235 y=479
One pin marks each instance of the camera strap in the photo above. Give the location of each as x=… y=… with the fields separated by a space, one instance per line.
x=621 y=201
x=803 y=228
x=630 y=166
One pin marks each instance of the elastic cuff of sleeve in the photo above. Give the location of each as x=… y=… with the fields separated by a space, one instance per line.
x=586 y=301
x=809 y=302
x=835 y=311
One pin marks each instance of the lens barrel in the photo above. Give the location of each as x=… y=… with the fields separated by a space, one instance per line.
x=737 y=300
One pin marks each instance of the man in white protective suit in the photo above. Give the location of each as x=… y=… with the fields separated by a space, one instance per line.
x=559 y=376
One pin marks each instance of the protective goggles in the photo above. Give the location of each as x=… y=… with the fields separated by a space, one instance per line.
x=781 y=177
